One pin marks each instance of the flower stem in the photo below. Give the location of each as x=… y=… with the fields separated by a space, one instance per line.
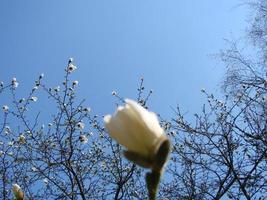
x=152 y=181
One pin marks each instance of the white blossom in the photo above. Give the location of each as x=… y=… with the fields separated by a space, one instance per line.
x=21 y=100
x=5 y=108
x=22 y=139
x=80 y=125
x=35 y=88
x=75 y=83
x=34 y=99
x=87 y=109
x=83 y=139
x=34 y=169
x=114 y=93
x=71 y=67
x=45 y=180
x=41 y=76
x=10 y=143
x=1 y=153
x=7 y=130
x=14 y=83
x=135 y=128
x=57 y=88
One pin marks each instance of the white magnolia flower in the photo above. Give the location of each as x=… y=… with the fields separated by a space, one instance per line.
x=10 y=143
x=17 y=192
x=41 y=76
x=75 y=83
x=7 y=130
x=21 y=100
x=80 y=125
x=34 y=99
x=71 y=60
x=136 y=129
x=83 y=139
x=35 y=88
x=57 y=89
x=87 y=109
x=22 y=139
x=114 y=93
x=5 y=108
x=71 y=67
x=1 y=84
x=34 y=169
x=1 y=153
x=14 y=83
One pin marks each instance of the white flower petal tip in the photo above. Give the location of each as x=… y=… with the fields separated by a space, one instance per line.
x=139 y=131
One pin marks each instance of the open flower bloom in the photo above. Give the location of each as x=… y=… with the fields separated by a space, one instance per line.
x=136 y=129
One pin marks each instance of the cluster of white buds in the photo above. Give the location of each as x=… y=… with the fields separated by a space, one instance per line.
x=71 y=67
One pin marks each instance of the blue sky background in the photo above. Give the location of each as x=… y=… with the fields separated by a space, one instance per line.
x=115 y=42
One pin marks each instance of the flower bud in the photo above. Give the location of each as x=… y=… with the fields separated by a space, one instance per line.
x=139 y=131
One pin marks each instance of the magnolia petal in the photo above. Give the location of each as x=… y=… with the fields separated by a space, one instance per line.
x=136 y=129
x=148 y=118
x=117 y=131
x=151 y=130
x=133 y=130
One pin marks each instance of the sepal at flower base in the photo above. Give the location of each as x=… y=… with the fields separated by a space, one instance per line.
x=138 y=159
x=156 y=162
x=162 y=155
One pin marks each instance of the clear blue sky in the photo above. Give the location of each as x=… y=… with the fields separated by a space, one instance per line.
x=114 y=42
